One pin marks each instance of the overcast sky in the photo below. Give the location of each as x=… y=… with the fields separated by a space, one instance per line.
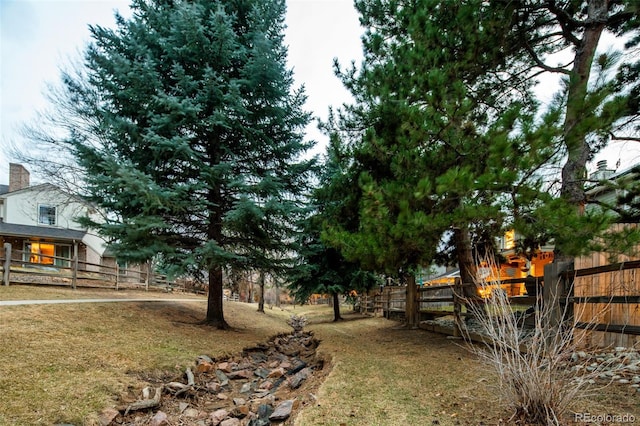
x=40 y=36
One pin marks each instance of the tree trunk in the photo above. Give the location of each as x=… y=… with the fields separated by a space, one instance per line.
x=261 y=293
x=215 y=315
x=336 y=307
x=574 y=170
x=466 y=263
x=277 y=293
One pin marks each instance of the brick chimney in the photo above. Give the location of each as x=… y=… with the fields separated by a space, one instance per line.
x=18 y=177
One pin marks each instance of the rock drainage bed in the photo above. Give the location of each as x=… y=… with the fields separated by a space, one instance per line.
x=263 y=385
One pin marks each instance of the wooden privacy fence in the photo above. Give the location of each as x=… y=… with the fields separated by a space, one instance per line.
x=18 y=266
x=603 y=300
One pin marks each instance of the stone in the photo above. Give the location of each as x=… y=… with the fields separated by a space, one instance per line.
x=222 y=378
x=246 y=387
x=282 y=411
x=230 y=422
x=214 y=387
x=159 y=419
x=266 y=385
x=276 y=373
x=263 y=373
x=296 y=380
x=264 y=411
x=218 y=416
x=274 y=364
x=107 y=416
x=239 y=401
x=240 y=374
x=204 y=358
x=204 y=367
x=225 y=367
x=191 y=413
x=222 y=396
x=240 y=412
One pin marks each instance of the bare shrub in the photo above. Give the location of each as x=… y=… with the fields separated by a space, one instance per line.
x=535 y=376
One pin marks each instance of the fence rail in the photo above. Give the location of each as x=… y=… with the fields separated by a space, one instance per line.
x=603 y=300
x=24 y=267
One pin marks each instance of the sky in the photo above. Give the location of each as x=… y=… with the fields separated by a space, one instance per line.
x=38 y=37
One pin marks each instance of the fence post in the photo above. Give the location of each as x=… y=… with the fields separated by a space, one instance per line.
x=457 y=291
x=74 y=272
x=117 y=275
x=411 y=307
x=555 y=289
x=148 y=280
x=7 y=263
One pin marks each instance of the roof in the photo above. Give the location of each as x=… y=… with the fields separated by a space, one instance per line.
x=4 y=189
x=13 y=230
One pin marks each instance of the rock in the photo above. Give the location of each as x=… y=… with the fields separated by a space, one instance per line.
x=159 y=419
x=296 y=380
x=183 y=406
x=222 y=378
x=218 y=416
x=230 y=422
x=240 y=412
x=282 y=411
x=214 y=387
x=263 y=373
x=191 y=413
x=246 y=387
x=266 y=385
x=264 y=411
x=107 y=416
x=239 y=401
x=204 y=358
x=222 y=396
x=225 y=367
x=241 y=374
x=276 y=373
x=204 y=367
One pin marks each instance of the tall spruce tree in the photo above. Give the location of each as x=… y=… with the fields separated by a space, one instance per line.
x=191 y=136
x=443 y=132
x=322 y=268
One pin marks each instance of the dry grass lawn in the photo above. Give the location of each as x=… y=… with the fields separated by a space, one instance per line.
x=64 y=363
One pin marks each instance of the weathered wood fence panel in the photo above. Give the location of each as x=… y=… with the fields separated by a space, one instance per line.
x=607 y=297
x=18 y=267
x=603 y=300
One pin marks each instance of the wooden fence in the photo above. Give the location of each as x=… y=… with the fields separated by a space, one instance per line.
x=604 y=300
x=21 y=267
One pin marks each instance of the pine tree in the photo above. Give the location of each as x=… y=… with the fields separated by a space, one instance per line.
x=595 y=107
x=321 y=268
x=443 y=137
x=192 y=136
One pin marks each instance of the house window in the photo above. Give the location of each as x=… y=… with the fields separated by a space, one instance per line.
x=46 y=215
x=48 y=254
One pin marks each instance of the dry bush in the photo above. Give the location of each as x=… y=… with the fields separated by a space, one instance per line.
x=536 y=378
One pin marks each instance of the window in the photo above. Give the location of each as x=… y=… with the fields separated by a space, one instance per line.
x=46 y=215
x=48 y=254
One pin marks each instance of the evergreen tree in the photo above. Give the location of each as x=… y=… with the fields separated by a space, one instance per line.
x=595 y=107
x=191 y=136
x=443 y=133
x=322 y=268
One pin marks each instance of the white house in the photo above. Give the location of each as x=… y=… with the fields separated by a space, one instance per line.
x=40 y=223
